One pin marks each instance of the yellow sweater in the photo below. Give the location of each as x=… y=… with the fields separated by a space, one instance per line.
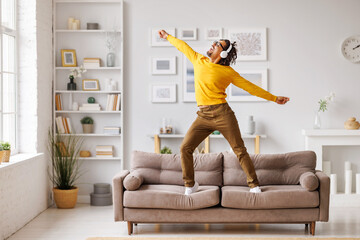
x=211 y=80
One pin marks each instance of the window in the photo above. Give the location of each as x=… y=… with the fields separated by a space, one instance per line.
x=8 y=82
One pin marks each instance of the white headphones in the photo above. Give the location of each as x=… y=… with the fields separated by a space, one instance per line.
x=224 y=53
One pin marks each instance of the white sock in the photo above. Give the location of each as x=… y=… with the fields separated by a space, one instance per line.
x=255 y=189
x=190 y=190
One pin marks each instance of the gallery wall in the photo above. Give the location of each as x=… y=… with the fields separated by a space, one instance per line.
x=304 y=63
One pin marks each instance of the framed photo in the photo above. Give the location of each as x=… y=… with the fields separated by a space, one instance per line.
x=163 y=93
x=90 y=85
x=213 y=33
x=188 y=33
x=68 y=58
x=251 y=44
x=163 y=65
x=258 y=77
x=156 y=41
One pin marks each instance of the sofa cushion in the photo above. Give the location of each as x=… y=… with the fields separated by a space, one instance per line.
x=171 y=197
x=271 y=169
x=272 y=197
x=309 y=181
x=166 y=168
x=133 y=181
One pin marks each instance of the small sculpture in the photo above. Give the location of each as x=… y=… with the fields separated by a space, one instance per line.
x=352 y=124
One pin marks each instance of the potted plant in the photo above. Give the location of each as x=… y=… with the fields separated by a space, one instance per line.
x=6 y=151
x=65 y=170
x=1 y=153
x=75 y=73
x=87 y=124
x=166 y=150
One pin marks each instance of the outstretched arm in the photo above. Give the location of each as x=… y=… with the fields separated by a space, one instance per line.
x=180 y=45
x=255 y=90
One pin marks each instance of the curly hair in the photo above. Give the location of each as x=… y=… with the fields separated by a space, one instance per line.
x=232 y=55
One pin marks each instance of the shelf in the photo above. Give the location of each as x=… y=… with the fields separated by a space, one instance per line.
x=100 y=158
x=86 y=31
x=99 y=92
x=100 y=68
x=88 y=1
x=90 y=135
x=211 y=136
x=98 y=112
x=330 y=132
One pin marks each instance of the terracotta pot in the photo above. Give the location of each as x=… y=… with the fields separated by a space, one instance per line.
x=87 y=128
x=65 y=198
x=6 y=155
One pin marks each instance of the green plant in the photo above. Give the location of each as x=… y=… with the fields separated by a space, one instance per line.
x=323 y=103
x=166 y=150
x=5 y=145
x=87 y=120
x=1 y=147
x=65 y=165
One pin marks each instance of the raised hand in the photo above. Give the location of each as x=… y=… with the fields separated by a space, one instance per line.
x=163 y=34
x=282 y=100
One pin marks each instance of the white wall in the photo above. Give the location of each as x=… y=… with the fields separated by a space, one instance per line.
x=304 y=59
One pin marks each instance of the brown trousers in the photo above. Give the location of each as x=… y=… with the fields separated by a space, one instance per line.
x=215 y=117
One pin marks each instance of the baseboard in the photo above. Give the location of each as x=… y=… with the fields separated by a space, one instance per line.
x=83 y=199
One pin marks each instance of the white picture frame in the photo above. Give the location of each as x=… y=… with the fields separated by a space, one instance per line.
x=251 y=43
x=188 y=33
x=256 y=76
x=160 y=66
x=163 y=93
x=213 y=33
x=156 y=41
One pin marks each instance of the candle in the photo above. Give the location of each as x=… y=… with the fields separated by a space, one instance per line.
x=77 y=21
x=333 y=184
x=358 y=183
x=348 y=181
x=70 y=22
x=74 y=26
x=347 y=165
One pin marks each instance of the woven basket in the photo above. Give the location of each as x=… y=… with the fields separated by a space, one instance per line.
x=65 y=198
x=6 y=155
x=1 y=156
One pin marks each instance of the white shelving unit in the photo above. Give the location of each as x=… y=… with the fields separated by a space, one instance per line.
x=90 y=44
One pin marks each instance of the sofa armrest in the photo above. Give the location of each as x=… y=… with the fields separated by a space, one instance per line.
x=324 y=192
x=118 y=191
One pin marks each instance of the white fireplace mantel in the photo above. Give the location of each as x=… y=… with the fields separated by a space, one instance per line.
x=316 y=139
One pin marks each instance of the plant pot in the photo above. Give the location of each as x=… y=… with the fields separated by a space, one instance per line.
x=87 y=128
x=6 y=155
x=1 y=156
x=65 y=198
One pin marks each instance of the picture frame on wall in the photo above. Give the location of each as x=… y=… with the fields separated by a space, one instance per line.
x=188 y=83
x=90 y=85
x=188 y=33
x=250 y=43
x=68 y=58
x=156 y=41
x=213 y=33
x=163 y=65
x=163 y=93
x=258 y=77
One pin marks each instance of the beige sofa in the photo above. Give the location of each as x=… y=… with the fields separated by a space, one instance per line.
x=153 y=192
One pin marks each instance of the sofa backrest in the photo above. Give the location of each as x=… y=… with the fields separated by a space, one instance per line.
x=166 y=168
x=271 y=169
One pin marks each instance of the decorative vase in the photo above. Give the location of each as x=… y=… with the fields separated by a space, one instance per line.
x=250 y=126
x=110 y=59
x=87 y=128
x=71 y=85
x=65 y=198
x=6 y=155
x=75 y=106
x=317 y=122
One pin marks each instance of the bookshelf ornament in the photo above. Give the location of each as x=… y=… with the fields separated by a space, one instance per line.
x=71 y=85
x=91 y=100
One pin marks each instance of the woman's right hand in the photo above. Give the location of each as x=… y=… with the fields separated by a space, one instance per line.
x=163 y=34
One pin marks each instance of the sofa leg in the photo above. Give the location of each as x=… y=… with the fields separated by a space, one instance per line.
x=130 y=227
x=312 y=228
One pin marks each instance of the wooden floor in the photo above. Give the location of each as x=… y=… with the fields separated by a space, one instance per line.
x=88 y=221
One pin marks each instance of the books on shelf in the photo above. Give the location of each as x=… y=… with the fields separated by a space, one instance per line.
x=90 y=107
x=113 y=102
x=91 y=62
x=112 y=130
x=58 y=102
x=104 y=151
x=63 y=125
